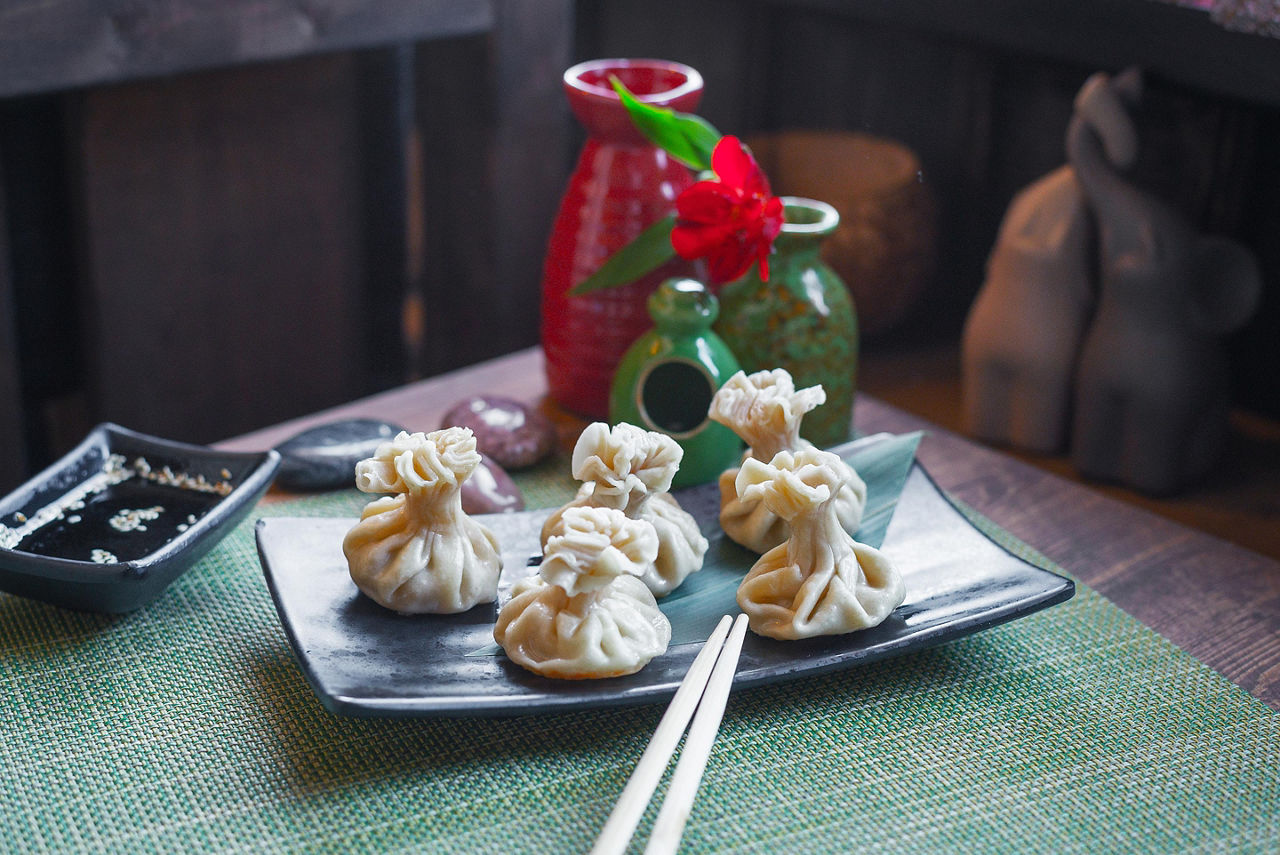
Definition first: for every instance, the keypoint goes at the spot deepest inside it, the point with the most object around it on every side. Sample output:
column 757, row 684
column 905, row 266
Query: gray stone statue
column 1152, row 387
column 1130, row 349
column 1022, row 337
column 1023, row 333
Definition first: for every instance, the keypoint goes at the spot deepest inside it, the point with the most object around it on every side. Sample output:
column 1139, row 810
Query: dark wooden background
column 214, row 217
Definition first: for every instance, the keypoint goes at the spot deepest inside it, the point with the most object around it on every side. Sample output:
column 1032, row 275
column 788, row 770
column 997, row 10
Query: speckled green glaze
column 802, row 319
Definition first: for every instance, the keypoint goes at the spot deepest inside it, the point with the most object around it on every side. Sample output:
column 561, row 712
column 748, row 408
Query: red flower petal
column 764, row 267
column 732, row 221
column 733, row 164
column 773, row 216
column 730, row 162
column 706, row 202
column 692, row 241
column 732, row 260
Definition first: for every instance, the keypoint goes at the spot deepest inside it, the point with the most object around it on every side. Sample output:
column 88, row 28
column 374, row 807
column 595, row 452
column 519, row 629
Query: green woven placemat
column 188, row 727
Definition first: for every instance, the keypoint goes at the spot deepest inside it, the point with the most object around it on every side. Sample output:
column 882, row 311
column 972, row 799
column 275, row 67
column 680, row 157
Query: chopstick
column 701, row 683
column 674, row 812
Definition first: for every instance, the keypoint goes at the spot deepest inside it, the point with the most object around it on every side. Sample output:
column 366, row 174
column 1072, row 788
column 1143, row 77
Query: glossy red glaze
column 621, row 185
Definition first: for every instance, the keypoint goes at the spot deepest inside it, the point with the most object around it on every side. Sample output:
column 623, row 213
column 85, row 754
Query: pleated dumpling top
column 820, row 581
column 628, row 468
column 587, row 614
column 765, row 409
column 417, row 551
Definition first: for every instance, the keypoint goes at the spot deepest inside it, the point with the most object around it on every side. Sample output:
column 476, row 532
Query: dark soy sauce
column 80, row 533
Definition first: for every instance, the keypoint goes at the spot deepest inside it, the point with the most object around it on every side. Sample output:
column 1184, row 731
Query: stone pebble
column 490, row 490
column 325, row 457
column 512, row 433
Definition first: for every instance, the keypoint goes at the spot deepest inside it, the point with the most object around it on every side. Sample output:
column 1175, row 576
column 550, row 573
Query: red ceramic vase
column 621, row 185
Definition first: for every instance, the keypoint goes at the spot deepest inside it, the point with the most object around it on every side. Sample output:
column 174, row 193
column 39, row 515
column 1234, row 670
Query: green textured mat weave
column 188, row 727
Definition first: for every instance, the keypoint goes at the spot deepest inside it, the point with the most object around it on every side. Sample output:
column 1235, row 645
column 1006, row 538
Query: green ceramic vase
column 802, row 319
column 667, row 378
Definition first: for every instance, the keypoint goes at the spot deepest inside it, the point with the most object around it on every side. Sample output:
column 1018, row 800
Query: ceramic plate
column 364, row 660
column 120, row 516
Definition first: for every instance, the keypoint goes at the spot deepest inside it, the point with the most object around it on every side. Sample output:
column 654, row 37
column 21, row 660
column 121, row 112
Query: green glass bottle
column 667, row 378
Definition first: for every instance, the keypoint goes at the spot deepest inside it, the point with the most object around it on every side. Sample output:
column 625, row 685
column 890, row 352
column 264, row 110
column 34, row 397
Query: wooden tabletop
column 1218, row 601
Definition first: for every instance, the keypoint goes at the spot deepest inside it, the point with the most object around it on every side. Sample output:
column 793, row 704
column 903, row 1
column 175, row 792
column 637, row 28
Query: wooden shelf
column 1170, row 39
column 62, row 44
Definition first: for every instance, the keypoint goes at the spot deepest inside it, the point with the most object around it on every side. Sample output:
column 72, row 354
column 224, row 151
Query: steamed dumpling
column 765, row 410
column 630, row 469
column 417, row 551
column 587, row 614
column 820, row 581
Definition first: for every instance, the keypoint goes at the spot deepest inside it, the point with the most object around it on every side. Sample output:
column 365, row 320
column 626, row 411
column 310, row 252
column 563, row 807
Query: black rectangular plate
column 365, row 660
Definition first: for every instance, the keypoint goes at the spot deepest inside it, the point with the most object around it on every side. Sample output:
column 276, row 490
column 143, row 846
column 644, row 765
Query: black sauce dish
column 110, row 525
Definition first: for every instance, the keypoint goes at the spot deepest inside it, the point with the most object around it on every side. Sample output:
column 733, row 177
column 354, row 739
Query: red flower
column 731, row 221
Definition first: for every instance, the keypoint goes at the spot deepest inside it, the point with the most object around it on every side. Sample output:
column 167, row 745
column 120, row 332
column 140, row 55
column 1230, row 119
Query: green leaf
column 650, row 250
column 688, row 138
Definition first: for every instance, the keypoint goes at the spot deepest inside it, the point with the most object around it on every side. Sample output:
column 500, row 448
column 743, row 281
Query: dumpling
column 418, row 552
column 765, row 410
column 586, row 614
column 630, row 469
column 820, row 581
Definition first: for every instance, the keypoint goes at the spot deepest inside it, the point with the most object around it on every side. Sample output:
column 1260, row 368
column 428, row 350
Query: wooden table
column 1218, row 601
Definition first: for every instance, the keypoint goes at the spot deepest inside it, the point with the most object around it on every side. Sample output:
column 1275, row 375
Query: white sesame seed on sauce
column 132, row 520
column 182, row 480
column 114, row 471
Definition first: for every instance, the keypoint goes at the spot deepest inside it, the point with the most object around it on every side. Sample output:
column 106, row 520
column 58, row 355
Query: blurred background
column 217, row 216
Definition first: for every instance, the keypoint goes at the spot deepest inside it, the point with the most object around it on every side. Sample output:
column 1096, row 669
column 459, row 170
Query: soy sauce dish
column 109, row 526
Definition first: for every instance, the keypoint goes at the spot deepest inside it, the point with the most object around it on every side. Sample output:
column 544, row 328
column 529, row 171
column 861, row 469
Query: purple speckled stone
column 512, row 433
column 490, row 490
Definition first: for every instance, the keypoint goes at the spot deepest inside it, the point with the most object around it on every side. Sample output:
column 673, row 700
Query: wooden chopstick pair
column 707, row 690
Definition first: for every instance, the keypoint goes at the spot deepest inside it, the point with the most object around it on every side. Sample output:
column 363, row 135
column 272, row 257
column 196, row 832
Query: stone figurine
column 1022, row 337
column 1151, row 394
column 1120, row 364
